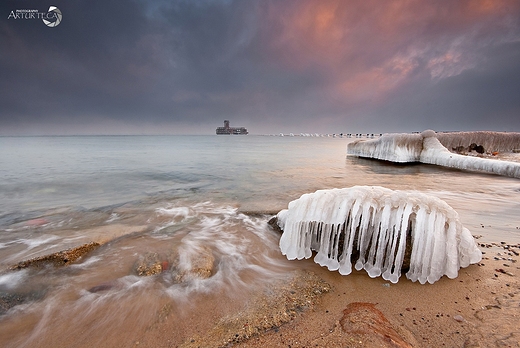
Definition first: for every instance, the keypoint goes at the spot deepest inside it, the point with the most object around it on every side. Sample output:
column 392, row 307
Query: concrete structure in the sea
column 433, row 148
column 227, row 130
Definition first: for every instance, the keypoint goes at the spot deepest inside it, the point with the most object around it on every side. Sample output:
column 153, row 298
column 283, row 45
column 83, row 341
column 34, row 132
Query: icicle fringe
column 376, row 225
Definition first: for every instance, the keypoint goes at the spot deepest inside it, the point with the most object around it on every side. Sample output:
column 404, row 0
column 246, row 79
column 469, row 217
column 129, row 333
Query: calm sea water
column 184, row 196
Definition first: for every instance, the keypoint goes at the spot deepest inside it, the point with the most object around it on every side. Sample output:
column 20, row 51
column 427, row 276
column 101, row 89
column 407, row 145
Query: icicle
column 376, row 223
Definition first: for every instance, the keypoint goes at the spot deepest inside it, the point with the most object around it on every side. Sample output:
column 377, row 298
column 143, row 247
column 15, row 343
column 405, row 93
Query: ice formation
column 492, row 141
column 375, row 224
column 426, row 148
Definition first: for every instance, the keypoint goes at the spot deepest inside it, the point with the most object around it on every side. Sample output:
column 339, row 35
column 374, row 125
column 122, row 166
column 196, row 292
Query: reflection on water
column 374, row 166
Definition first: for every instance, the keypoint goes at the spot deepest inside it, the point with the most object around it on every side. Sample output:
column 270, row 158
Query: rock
column 273, row 222
column 9, row 300
column 477, row 148
column 363, row 319
column 200, row 266
column 58, row 259
column 195, row 264
column 458, row 318
column 459, row 149
column 148, row 264
column 102, row 287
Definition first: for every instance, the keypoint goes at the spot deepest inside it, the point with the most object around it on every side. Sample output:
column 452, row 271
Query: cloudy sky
column 328, row 66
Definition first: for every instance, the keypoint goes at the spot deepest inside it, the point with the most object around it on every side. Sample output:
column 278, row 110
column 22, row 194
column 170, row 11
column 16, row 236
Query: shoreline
column 460, row 312
column 479, row 308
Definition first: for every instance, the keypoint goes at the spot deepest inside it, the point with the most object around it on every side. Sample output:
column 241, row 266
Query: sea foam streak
column 376, row 223
column 426, row 148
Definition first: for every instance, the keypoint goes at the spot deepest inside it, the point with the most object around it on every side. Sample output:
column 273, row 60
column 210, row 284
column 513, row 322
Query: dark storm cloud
column 79, row 69
column 184, row 66
column 484, row 97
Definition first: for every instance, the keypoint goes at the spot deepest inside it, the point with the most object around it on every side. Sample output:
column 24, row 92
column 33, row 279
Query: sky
column 272, row 66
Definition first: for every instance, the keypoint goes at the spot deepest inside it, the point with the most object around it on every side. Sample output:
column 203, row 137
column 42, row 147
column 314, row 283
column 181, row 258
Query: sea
column 174, row 198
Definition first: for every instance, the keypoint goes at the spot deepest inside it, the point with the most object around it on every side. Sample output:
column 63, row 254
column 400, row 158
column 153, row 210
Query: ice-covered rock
column 374, row 225
column 426, row 148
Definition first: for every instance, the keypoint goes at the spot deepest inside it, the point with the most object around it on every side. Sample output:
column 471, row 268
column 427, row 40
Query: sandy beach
column 477, row 309
column 314, row 307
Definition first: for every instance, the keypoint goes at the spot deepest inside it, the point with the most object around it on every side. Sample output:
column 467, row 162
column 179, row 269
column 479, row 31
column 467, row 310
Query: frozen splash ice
column 375, row 224
column 426, row 147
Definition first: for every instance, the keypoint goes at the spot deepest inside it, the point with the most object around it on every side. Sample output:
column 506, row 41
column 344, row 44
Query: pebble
column 501, row 270
column 458, row 318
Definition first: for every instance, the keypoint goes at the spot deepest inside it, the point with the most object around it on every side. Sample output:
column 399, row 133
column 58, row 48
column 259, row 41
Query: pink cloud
column 366, row 49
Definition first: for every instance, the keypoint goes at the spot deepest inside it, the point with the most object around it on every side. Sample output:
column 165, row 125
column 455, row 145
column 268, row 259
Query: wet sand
column 480, row 308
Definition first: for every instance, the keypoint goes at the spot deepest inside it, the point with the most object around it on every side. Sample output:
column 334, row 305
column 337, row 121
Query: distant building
column 231, row 130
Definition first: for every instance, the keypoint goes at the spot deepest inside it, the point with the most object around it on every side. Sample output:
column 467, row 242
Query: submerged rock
column 148, row 264
column 34, row 291
column 58, row 259
column 184, row 265
column 365, row 320
column 194, row 265
column 100, row 288
column 9, row 299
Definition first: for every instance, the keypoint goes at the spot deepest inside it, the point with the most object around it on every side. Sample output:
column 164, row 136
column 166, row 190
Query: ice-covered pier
column 433, row 148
